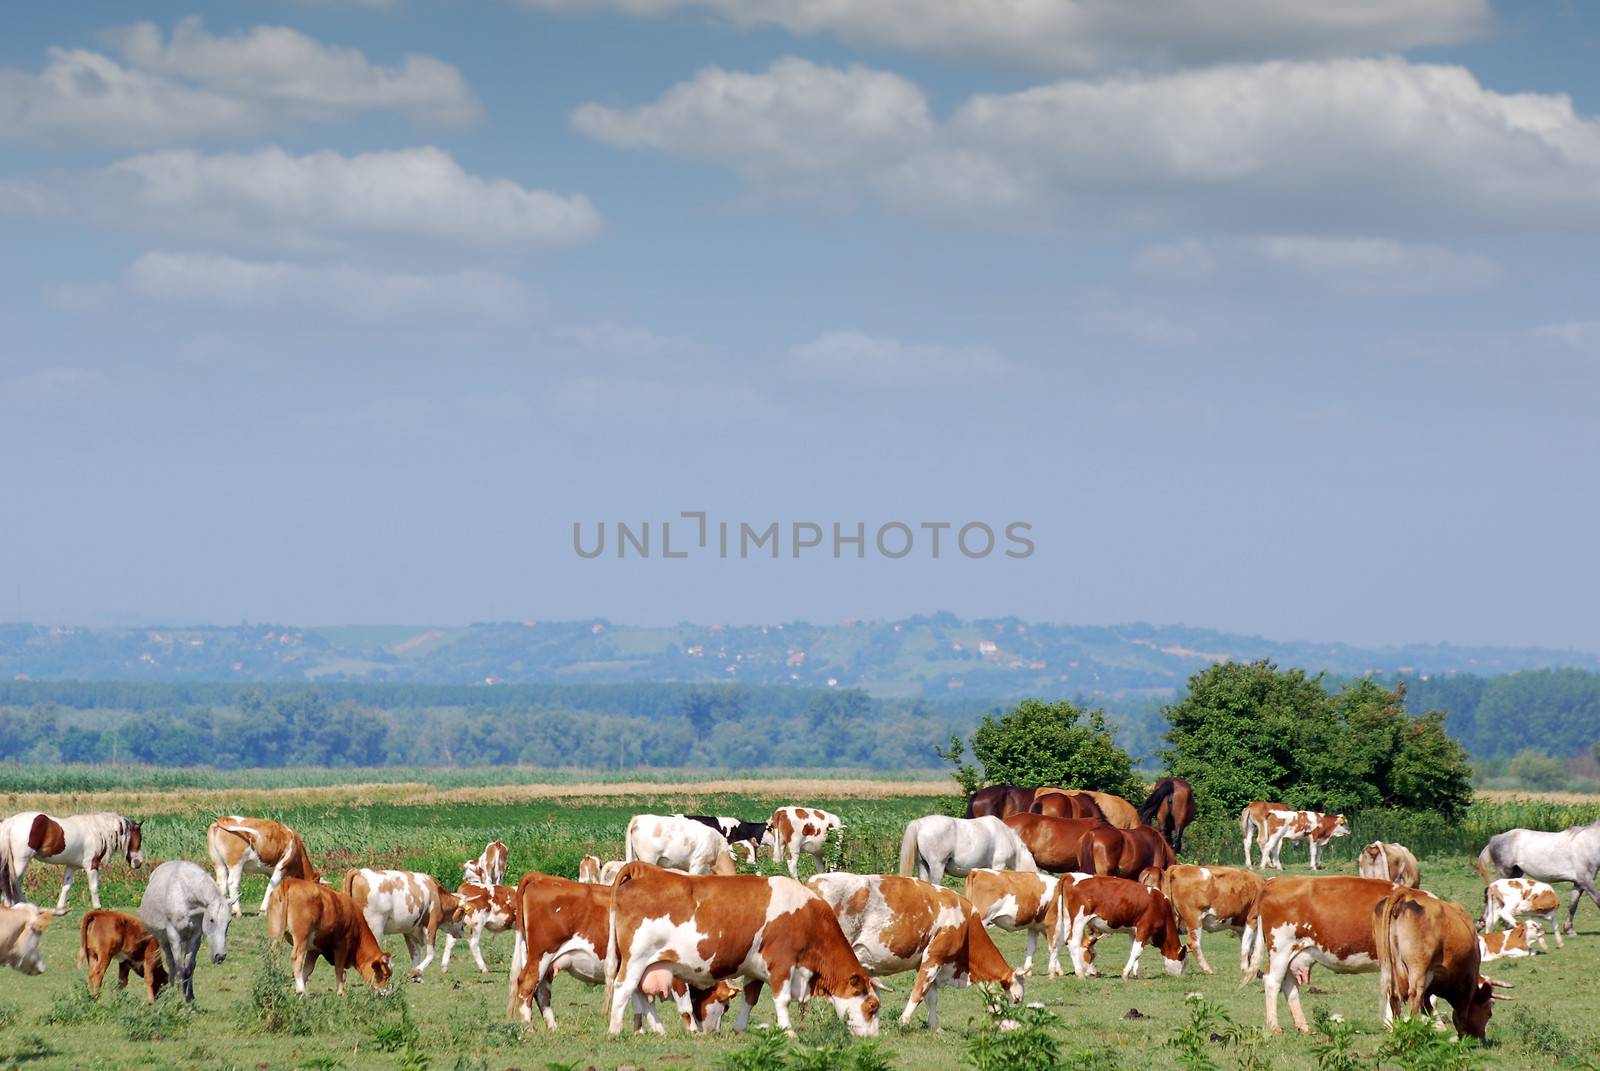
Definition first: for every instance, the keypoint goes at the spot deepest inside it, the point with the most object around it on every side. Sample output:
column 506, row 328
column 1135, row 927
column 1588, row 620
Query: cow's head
column 24, row 954
column 1341, row 826
column 377, row 971
column 1169, row 940
column 1471, row 1016
column 724, row 863
column 856, row 1001
column 134, row 851
column 1533, row 934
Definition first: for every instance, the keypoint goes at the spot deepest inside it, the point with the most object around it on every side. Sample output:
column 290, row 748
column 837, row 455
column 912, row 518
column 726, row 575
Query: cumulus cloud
column 197, row 84
column 854, row 358
column 327, row 200
column 1360, row 145
column 1082, row 35
column 1357, row 266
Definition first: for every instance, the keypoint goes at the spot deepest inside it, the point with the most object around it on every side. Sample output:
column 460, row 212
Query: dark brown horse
column 1001, row 801
column 1065, row 803
column 1170, row 808
column 1054, row 843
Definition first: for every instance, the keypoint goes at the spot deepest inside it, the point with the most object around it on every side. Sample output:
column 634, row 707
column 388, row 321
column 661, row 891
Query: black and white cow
column 747, row 836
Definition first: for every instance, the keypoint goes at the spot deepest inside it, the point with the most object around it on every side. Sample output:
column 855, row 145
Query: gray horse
column 1570, row 855
column 181, row 904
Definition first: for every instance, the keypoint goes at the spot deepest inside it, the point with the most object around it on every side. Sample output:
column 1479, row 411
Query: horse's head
column 133, row 842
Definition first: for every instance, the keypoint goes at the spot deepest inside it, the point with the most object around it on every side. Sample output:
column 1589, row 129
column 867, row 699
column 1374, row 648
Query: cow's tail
column 613, row 953
column 348, row 887
column 908, row 851
column 278, row 913
column 1254, row 939
column 1383, row 943
column 627, row 842
column 83, row 938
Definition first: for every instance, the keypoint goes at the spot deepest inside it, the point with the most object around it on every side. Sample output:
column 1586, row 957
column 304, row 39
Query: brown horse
column 1065, row 803
column 1001, row 801
column 1170, row 808
column 1123, row 853
column 1118, row 811
column 1053, row 842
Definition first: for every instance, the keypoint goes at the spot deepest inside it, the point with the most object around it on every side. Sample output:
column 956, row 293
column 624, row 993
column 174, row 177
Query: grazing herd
column 675, row 920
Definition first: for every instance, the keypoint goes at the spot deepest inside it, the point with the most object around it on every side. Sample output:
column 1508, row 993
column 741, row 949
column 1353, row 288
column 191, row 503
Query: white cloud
column 853, row 358
column 197, row 84
column 1357, row 266
column 68, row 382
column 327, row 200
column 1078, row 35
column 1359, row 145
column 1582, row 335
column 630, row 403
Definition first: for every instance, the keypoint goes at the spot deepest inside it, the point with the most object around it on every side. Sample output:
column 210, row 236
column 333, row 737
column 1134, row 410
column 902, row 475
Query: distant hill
column 937, row 655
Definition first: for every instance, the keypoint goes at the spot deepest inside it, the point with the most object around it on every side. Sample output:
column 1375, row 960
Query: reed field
column 247, row 1018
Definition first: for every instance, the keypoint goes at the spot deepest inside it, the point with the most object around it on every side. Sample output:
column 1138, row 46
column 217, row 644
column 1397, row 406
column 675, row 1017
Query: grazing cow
column 180, row 906
column 1313, row 827
column 1101, row 905
column 1206, row 899
column 937, row 845
column 798, row 830
column 491, row 908
column 673, row 841
column 1514, row 943
column 1506, row 899
column 706, row 929
column 1054, row 843
column 1169, row 808
column 490, row 867
column 1065, row 803
column 1019, row 901
column 108, row 937
column 897, row 924
column 1570, row 855
column 1123, row 853
column 1391, row 862
column 746, row 836
column 80, row 842
column 319, row 922
column 408, row 903
column 1000, row 801
column 1428, row 949
column 1297, row 922
column 20, row 929
column 1253, row 824
column 592, row 871
column 240, row 846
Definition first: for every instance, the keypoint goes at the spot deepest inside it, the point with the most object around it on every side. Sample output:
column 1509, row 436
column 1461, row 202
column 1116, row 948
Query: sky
column 1272, row 316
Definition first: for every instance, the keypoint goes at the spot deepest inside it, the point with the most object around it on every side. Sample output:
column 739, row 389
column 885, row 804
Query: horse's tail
column 1482, row 865
column 9, row 893
column 908, row 851
column 1152, row 803
column 1025, row 861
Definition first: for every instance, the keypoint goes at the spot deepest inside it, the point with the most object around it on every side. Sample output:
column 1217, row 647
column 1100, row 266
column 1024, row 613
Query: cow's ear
column 41, row 922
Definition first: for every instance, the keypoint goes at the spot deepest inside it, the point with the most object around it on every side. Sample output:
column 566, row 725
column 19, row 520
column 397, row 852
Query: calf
column 1253, row 824
column 1206, row 899
column 20, row 929
column 673, row 841
column 408, row 903
column 1313, row 827
column 593, row 872
column 707, row 929
column 1392, row 862
column 489, row 868
column 1099, row 905
column 1013, row 900
column 321, row 922
column 801, row 830
column 240, row 846
column 1297, row 922
column 1515, row 943
column 900, row 924
column 746, row 836
column 1504, row 900
column 1428, row 949
column 491, row 908
column 107, row 937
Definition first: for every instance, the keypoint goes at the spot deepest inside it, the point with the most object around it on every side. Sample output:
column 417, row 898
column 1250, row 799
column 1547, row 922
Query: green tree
column 1040, row 743
column 1538, row 769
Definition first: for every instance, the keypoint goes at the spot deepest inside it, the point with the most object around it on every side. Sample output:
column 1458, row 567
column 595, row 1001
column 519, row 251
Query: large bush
column 1249, row 731
column 1040, row 743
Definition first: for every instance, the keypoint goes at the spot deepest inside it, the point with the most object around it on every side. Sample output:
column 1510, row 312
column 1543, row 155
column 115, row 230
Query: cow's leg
column 414, row 950
column 299, row 967
column 1027, row 960
column 1081, row 966
column 751, row 994
column 124, row 968
column 933, row 1005
column 67, row 874
column 444, row 958
column 1291, row 991
column 428, row 941
column 794, row 861
column 273, row 881
column 547, row 1011
column 477, row 944
column 228, row 878
column 1131, row 968
column 1195, row 933
column 629, row 975
column 1249, row 838
column 781, row 996
column 927, row 977
column 1272, row 976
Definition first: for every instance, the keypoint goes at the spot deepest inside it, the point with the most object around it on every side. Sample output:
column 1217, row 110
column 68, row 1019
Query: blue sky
column 1270, row 316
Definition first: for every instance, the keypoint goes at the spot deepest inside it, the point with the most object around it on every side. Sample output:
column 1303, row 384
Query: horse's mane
column 112, row 831
column 1158, row 795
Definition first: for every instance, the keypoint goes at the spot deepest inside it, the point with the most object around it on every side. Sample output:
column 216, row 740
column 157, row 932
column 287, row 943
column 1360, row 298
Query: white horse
column 938, row 845
column 1569, row 855
column 81, row 842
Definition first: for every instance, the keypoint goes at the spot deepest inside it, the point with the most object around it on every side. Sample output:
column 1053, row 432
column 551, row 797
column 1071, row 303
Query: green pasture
column 245, row 1019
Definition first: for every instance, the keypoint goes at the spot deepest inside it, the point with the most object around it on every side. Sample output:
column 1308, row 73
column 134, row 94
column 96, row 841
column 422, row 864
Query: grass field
column 458, row 1020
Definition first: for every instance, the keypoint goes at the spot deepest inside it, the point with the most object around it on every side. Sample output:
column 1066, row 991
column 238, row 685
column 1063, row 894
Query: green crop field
column 245, row 1019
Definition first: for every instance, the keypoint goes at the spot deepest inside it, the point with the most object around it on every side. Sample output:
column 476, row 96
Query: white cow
column 408, row 903
column 677, row 843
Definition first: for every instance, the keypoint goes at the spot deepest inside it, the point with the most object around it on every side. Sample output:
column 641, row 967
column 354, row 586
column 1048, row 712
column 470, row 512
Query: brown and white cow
column 240, row 846
column 564, row 925
column 1054, row 843
column 107, row 937
column 1505, row 900
column 1390, row 861
column 897, row 924
column 409, row 903
column 1207, row 899
column 1298, row 922
column 1313, row 827
column 1100, row 905
column 1014, row 900
column 594, row 872
column 1428, row 949
column 490, row 867
column 1253, row 826
column 21, row 927
column 1515, row 943
column 708, row 929
column 801, row 831
column 483, row 908
column 320, row 922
